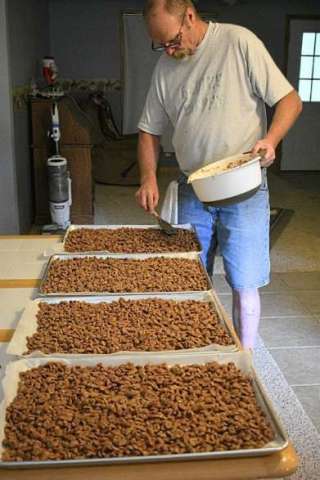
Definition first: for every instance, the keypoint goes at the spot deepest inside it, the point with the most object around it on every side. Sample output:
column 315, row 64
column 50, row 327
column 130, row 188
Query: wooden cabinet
column 75, row 146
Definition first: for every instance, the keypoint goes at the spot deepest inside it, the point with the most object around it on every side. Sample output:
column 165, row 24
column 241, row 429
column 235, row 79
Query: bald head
column 173, row 7
column 174, row 25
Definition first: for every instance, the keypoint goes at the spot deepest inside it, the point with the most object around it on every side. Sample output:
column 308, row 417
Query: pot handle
column 260, row 152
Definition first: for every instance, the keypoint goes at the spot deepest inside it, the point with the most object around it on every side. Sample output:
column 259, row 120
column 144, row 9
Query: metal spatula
column 166, row 227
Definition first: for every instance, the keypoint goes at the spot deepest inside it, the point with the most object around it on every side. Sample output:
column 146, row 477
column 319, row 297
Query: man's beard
column 182, row 53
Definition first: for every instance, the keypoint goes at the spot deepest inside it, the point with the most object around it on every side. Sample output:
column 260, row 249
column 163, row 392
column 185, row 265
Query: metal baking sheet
column 59, row 248
column 138, row 256
column 241, row 359
column 27, row 324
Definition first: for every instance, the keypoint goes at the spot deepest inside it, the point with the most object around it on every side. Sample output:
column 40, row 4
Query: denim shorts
column 240, row 230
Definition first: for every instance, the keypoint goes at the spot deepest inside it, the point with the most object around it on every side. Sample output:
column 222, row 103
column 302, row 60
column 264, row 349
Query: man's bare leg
column 246, row 311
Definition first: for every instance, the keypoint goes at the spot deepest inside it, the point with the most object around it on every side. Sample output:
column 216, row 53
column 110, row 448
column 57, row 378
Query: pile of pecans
column 74, row 412
column 130, row 240
column 237, row 163
column 126, row 325
column 116, row 275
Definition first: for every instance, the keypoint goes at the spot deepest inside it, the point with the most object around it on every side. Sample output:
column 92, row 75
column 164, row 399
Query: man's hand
column 268, row 152
column 148, row 154
column 148, row 194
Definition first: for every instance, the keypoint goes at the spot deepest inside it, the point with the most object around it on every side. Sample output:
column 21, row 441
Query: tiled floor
column 290, row 329
column 309, row 396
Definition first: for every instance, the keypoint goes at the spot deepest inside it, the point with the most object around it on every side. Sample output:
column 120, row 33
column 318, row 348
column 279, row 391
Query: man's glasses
column 176, row 42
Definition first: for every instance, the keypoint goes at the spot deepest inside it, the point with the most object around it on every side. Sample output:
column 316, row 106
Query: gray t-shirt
column 215, row 99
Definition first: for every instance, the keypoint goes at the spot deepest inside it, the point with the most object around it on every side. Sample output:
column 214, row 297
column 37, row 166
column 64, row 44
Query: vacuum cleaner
column 59, row 181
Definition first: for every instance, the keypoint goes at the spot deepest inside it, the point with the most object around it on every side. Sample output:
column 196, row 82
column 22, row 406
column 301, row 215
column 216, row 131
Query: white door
column 301, row 146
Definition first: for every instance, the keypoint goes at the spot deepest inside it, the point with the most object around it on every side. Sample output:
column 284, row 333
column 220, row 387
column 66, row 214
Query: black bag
column 107, row 124
column 115, row 160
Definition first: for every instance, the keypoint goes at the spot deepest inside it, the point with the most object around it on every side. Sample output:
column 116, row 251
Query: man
column 212, row 83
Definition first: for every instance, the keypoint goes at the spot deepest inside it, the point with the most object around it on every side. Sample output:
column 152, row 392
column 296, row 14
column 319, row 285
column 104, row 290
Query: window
column 309, row 74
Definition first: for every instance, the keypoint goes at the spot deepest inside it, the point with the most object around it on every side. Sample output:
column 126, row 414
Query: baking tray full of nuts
column 109, row 274
column 129, row 410
column 166, row 323
column 126, row 239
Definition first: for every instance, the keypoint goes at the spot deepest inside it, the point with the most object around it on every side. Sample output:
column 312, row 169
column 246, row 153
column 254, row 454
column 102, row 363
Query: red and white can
column 49, row 70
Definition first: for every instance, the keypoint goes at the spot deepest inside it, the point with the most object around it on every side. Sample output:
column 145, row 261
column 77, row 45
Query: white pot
column 222, row 182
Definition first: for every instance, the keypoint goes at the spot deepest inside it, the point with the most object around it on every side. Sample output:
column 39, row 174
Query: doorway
column 300, row 148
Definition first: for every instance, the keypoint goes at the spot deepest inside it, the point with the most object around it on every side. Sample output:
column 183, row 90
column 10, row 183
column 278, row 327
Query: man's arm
column 148, row 154
column 286, row 112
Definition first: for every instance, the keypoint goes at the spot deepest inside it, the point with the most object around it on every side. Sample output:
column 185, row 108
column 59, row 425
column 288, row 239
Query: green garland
column 21, row 94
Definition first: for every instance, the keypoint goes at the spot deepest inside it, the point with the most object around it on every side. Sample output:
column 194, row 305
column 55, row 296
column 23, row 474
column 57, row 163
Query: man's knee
column 247, row 300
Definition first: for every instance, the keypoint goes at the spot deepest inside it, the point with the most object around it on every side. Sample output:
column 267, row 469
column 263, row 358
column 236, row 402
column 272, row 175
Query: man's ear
column 190, row 17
